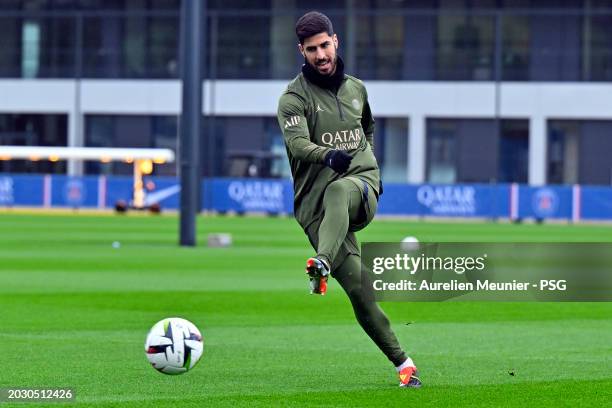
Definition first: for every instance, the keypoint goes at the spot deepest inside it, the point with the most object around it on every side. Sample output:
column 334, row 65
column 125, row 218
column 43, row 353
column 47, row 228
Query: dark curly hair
column 313, row 23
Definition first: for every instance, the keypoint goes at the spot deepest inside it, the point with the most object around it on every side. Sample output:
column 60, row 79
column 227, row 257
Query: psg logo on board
column 545, row 202
column 74, row 192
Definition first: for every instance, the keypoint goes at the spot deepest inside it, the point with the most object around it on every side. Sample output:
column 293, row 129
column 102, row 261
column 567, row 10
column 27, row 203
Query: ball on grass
column 410, row 244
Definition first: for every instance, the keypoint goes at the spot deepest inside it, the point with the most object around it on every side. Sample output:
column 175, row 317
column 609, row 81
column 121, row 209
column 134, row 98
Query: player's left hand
column 338, row 160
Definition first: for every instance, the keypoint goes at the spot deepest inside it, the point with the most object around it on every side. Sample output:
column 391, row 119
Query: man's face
column 320, row 52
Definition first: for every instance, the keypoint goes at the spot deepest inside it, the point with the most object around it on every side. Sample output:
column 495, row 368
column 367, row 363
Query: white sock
column 407, row 363
column 324, row 263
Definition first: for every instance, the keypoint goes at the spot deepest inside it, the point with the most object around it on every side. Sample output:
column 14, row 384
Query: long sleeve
column 292, row 121
column 367, row 120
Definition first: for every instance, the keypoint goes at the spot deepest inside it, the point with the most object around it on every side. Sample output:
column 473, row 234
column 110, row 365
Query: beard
column 325, row 66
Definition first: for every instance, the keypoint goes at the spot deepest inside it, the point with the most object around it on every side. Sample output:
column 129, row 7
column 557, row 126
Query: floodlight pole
column 191, row 47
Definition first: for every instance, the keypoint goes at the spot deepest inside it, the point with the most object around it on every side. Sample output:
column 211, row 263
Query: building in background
column 489, row 91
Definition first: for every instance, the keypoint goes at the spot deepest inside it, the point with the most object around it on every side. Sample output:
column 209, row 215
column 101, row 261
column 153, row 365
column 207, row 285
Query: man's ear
column 335, row 40
column 301, row 48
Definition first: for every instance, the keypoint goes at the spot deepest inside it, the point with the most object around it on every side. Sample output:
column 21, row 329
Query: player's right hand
column 338, row 160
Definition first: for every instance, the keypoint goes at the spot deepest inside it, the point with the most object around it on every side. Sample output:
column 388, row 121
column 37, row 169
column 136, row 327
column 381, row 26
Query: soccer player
column 329, row 134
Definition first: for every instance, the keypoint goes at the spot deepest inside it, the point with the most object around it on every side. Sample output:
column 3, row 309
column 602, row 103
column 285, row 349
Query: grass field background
column 75, row 312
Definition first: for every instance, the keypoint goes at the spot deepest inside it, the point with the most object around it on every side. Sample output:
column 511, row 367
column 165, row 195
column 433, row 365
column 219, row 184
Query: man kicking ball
column 329, row 134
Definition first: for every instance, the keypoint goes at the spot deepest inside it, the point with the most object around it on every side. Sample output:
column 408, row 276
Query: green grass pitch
column 74, row 311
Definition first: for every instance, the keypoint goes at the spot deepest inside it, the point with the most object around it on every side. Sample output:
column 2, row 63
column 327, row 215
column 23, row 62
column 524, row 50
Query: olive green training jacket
column 314, row 121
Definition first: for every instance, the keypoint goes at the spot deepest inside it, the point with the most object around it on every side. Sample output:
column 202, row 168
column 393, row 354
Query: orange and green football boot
column 318, row 273
column 409, row 377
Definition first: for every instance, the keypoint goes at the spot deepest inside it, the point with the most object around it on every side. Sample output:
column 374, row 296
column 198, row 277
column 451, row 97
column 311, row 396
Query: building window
column 246, row 147
column 555, row 48
column 513, row 151
column 515, row 47
column 441, row 152
column 563, row 139
column 391, row 145
column 130, row 131
column 477, row 150
column 131, row 47
column 465, row 47
column 599, row 57
column 10, row 47
column 280, row 166
column 378, row 50
column 37, row 47
column 33, row 130
column 575, row 152
column 241, row 56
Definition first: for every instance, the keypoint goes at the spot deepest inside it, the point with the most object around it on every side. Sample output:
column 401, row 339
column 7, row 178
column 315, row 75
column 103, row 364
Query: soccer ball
column 174, row 346
column 410, row 244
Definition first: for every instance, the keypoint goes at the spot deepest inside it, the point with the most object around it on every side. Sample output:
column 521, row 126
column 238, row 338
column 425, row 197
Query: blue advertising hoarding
column 74, row 191
column 461, row 200
column 22, row 191
column 596, row 203
column 275, row 196
column 545, row 202
column 248, row 195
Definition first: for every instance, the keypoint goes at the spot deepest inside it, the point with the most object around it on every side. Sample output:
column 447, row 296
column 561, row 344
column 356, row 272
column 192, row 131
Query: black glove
column 380, row 188
column 338, row 161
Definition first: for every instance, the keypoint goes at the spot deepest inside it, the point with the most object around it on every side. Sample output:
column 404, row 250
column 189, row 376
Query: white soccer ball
column 174, row 346
column 410, row 244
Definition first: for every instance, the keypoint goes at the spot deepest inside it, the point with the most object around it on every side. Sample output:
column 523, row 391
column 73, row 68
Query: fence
column 510, row 201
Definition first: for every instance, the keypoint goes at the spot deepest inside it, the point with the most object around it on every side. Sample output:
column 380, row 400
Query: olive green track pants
column 349, row 206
